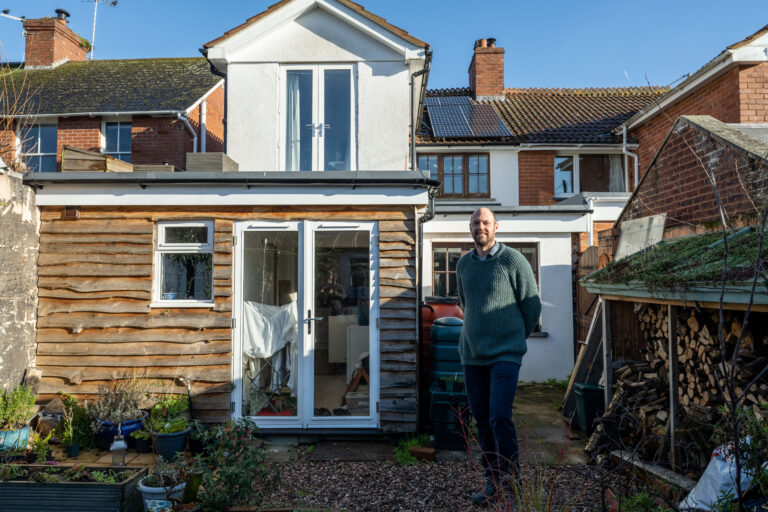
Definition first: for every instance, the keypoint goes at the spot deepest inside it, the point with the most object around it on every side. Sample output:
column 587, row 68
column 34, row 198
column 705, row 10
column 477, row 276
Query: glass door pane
column 337, row 100
column 299, row 120
column 341, row 343
column 270, row 323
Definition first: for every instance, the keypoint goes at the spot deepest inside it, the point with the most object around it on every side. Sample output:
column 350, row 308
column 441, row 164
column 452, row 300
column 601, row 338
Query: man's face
column 483, row 228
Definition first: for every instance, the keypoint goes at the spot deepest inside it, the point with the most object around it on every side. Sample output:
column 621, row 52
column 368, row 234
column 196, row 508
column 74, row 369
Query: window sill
column 182, row 304
column 540, row 334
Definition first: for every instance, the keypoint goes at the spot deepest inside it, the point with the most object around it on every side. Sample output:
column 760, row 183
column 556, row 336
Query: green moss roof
column 137, row 85
column 675, row 263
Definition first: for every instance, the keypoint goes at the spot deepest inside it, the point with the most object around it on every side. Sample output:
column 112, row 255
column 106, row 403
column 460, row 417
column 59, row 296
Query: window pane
column 438, row 257
column 452, row 290
column 453, row 258
column 33, row 163
column 298, row 147
column 337, row 102
column 457, row 184
column 48, row 138
column 187, row 276
column 125, row 157
column 124, row 145
column 563, row 175
column 423, row 163
column 110, row 135
column 29, row 138
column 474, row 184
column 47, row 163
column 438, row 285
column 186, row 234
column 483, row 188
column 473, row 164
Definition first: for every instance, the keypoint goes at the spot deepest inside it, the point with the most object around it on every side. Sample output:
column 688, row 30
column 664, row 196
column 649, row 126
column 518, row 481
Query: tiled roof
column 558, row 116
column 141, row 85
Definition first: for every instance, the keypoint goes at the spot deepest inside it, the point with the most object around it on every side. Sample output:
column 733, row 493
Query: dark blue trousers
column 491, row 392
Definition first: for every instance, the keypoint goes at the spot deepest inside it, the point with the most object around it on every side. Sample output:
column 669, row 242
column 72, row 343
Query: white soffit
column 204, row 195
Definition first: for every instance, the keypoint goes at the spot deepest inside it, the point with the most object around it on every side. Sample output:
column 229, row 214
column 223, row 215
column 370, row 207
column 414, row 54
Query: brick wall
column 583, row 238
column 536, row 171
column 753, row 93
column 83, row 133
column 214, row 123
column 49, row 41
column 486, row 71
column 719, row 99
column 157, row 139
column 19, row 224
column 677, row 184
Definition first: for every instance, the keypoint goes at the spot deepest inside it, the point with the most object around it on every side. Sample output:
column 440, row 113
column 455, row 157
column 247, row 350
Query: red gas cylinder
column 431, row 309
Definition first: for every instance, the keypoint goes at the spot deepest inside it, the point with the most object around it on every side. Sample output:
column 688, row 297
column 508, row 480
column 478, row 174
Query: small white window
column 116, row 139
column 184, row 263
column 38, row 147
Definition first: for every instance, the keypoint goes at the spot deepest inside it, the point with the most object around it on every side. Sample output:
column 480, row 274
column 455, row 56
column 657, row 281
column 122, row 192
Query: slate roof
column 556, row 116
column 139, row 85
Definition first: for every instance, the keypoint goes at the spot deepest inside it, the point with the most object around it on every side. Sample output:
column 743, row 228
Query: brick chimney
column 486, row 71
column 50, row 42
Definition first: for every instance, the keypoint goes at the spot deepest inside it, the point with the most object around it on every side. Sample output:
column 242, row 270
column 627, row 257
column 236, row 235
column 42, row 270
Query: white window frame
column 103, row 136
column 318, row 112
column 161, row 247
column 19, row 142
column 576, row 170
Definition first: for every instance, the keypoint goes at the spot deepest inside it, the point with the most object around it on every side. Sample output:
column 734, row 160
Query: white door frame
column 318, row 112
column 306, row 279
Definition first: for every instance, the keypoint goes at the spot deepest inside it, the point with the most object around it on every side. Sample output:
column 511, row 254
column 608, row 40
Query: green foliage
column 233, row 466
column 75, row 427
column 403, row 456
column 752, row 442
column 141, row 434
column 16, row 406
column 169, row 415
column 118, row 401
column 104, row 477
column 40, row 446
column 726, row 502
column 643, row 502
column 561, row 384
column 12, row 472
column 85, row 44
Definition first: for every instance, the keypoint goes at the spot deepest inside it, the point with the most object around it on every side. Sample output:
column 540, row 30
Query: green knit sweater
column 501, row 305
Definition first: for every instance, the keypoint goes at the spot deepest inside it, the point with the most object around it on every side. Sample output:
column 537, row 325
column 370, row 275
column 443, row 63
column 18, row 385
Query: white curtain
column 617, row 173
column 293, row 124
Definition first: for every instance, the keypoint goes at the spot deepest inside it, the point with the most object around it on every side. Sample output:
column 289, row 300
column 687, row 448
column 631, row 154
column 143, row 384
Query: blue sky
column 591, row 43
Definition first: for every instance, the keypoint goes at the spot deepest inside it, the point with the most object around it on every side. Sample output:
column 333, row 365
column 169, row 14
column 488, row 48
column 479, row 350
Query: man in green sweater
column 500, row 298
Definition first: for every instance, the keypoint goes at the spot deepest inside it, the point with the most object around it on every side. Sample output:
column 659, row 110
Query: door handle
column 311, row 319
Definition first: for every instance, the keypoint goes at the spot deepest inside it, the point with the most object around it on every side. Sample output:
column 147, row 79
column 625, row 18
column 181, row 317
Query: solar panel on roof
column 470, row 120
column 446, row 100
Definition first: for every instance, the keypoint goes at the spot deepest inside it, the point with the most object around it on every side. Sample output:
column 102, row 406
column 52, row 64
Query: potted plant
column 117, row 408
column 169, row 424
column 197, row 436
column 166, row 482
column 40, row 450
column 75, row 430
column 16, row 409
column 142, row 440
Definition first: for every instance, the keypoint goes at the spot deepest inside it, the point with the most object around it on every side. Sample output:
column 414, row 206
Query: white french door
column 305, row 337
column 318, row 117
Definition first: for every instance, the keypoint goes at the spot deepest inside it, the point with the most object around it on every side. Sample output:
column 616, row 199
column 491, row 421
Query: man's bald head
column 483, row 226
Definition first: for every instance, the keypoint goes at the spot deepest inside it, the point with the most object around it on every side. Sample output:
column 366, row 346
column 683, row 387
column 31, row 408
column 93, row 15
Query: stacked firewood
column 637, row 418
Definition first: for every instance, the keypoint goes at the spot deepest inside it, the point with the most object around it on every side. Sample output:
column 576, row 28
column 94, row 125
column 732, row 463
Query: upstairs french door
column 318, row 120
column 306, row 350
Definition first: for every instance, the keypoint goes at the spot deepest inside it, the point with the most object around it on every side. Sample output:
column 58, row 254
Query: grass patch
column 403, row 456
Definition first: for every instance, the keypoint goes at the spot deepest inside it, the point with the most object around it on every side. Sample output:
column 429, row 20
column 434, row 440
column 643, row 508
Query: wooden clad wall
column 95, row 287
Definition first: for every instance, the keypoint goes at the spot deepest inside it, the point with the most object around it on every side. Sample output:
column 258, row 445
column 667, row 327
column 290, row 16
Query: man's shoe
column 487, row 495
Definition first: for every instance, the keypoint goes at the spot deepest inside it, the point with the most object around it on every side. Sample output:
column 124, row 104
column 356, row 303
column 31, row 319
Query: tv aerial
column 108, row 3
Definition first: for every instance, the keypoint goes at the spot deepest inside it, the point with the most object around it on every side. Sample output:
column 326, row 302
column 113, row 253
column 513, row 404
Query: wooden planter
column 18, row 496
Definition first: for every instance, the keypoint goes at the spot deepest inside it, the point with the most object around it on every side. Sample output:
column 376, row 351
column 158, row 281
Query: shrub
column 403, row 456
column 16, row 406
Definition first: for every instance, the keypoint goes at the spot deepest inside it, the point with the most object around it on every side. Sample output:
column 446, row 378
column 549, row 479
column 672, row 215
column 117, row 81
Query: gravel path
column 433, row 486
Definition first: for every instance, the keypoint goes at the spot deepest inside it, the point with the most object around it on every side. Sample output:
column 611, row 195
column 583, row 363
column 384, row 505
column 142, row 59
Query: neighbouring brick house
column 732, row 87
column 546, row 161
column 145, row 111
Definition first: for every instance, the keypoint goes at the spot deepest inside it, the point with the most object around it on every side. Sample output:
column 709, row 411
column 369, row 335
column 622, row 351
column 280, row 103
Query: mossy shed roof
column 101, row 86
column 678, row 262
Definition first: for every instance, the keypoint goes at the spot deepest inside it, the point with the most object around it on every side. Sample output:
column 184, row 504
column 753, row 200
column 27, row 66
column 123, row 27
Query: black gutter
column 246, row 178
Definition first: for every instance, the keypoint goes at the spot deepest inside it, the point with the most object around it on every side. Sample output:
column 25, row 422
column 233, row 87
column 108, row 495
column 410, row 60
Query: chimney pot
column 492, row 42
column 62, row 14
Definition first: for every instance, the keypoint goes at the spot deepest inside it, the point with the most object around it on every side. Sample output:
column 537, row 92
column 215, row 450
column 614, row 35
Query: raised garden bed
column 34, row 487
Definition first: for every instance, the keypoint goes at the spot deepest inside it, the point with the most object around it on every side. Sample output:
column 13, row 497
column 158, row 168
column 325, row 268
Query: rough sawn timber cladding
column 95, row 287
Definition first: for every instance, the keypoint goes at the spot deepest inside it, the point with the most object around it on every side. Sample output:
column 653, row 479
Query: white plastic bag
column 718, row 478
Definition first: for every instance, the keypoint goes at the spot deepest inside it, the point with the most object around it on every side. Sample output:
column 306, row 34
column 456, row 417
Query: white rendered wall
column 552, row 356
column 382, row 92
column 503, row 168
